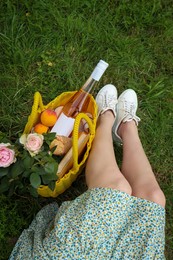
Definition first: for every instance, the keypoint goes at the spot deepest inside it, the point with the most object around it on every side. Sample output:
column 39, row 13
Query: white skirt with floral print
column 100, row 224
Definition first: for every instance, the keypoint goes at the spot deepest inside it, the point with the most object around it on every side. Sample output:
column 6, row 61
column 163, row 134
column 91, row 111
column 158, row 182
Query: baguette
column 67, row 161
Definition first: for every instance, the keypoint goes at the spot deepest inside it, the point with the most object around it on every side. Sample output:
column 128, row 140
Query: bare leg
column 136, row 167
column 102, row 169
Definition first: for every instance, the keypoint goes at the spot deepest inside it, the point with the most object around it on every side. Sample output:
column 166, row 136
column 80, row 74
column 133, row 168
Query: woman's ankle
column 107, row 118
column 127, row 128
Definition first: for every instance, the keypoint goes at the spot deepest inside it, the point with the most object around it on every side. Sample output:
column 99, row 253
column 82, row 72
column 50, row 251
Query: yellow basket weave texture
column 65, row 182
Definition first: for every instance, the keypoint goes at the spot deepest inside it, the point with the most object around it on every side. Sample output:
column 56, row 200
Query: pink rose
column 32, row 143
column 7, row 155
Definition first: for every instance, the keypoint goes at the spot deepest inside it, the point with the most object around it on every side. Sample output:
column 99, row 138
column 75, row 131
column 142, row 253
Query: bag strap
column 78, row 119
column 37, row 106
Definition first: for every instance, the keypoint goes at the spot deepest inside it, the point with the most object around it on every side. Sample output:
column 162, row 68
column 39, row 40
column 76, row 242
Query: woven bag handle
column 79, row 117
column 37, row 106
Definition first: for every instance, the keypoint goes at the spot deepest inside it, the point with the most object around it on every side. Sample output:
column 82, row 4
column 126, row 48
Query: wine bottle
column 78, row 103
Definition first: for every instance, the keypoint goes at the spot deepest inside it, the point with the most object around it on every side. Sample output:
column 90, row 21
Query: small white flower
column 32, row 143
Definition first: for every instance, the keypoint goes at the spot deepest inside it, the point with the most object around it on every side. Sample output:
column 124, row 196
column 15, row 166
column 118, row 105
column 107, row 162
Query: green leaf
column 42, row 154
column 5, row 184
column 48, row 159
column 3, row 171
column 51, row 185
column 33, row 191
column 35, row 180
column 48, row 178
column 35, row 168
column 41, row 171
column 16, row 169
column 48, row 138
column 57, row 159
column 51, row 167
column 52, row 150
column 28, row 162
column 24, row 153
column 38, row 157
column 26, row 173
column 45, row 179
column 46, row 148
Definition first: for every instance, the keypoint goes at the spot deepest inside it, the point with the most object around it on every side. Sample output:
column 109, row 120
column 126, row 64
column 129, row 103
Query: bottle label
column 63, row 126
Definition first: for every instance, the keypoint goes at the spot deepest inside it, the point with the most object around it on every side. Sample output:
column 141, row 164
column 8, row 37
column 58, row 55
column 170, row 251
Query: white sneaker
column 106, row 99
column 126, row 111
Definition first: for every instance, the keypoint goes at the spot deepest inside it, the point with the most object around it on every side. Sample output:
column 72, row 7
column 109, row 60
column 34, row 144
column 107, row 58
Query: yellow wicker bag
column 64, row 183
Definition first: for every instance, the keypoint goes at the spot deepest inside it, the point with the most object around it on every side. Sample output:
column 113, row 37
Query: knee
column 156, row 195
column 123, row 185
column 109, row 178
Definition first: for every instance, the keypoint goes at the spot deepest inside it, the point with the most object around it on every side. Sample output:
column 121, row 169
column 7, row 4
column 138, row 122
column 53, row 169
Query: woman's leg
column 136, row 167
column 101, row 167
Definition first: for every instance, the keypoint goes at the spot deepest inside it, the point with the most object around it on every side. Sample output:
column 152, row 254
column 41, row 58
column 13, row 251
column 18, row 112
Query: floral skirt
column 100, row 224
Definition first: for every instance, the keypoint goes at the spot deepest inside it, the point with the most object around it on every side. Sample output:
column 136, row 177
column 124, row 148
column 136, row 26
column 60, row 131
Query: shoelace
column 130, row 112
column 129, row 108
column 110, row 101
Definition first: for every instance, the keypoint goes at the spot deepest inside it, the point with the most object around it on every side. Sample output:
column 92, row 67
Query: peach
column 48, row 117
column 40, row 128
column 58, row 110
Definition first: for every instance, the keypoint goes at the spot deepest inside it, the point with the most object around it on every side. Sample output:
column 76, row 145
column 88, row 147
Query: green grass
column 134, row 37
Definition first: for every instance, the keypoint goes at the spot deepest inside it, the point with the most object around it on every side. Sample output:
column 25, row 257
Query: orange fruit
column 48, row 117
column 40, row 128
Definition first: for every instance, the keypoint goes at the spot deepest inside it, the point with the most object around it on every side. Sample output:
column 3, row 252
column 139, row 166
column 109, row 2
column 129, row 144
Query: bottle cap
column 99, row 70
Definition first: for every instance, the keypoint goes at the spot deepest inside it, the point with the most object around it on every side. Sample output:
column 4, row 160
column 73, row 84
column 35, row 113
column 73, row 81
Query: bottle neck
column 87, row 87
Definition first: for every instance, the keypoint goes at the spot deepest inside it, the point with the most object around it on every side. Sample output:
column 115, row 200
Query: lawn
column 52, row 46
